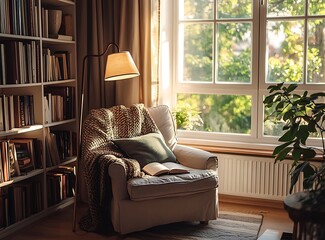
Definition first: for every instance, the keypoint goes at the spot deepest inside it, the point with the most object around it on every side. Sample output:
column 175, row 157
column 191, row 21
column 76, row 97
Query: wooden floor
column 59, row 225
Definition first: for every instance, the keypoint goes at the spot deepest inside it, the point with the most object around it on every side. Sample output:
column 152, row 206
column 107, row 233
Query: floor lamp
column 119, row 66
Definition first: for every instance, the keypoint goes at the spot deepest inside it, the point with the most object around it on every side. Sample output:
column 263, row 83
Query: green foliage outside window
column 231, row 63
column 219, row 113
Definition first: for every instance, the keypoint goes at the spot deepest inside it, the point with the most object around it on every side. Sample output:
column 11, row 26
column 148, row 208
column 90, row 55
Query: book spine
column 22, row 111
column 2, row 127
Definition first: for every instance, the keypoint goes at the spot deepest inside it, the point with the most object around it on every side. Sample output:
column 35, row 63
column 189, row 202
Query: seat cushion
column 151, row 187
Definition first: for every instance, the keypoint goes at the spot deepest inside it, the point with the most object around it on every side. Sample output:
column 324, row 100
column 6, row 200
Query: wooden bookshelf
column 34, row 64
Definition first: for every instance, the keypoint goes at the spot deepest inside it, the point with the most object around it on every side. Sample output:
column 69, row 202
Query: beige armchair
column 195, row 200
column 138, row 203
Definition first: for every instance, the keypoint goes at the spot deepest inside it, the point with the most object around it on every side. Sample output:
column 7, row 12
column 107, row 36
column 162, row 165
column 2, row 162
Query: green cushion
column 146, row 148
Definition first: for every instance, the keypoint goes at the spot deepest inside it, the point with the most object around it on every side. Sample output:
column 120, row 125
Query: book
column 2, row 124
column 25, row 153
column 65, row 99
column 3, row 64
column 67, row 25
column 53, row 157
column 11, row 111
column 61, row 37
column 157, row 169
column 13, row 162
column 6, row 112
column 5, row 161
column 1, row 168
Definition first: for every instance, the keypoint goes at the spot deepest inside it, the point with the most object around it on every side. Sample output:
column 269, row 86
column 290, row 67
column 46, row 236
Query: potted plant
column 304, row 117
column 187, row 117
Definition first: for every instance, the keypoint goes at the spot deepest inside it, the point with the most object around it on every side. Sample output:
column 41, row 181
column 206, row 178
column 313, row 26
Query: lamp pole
column 127, row 69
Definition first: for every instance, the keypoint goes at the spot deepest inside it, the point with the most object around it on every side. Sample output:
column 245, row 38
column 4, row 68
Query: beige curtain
column 127, row 23
column 139, row 28
column 91, row 40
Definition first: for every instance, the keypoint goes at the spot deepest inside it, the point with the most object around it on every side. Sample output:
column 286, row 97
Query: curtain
column 139, row 30
column 129, row 24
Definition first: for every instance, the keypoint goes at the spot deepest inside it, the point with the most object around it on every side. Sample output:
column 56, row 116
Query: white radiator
column 256, row 177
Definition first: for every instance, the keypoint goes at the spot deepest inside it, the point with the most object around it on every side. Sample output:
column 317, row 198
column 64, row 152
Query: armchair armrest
column 119, row 181
column 195, row 158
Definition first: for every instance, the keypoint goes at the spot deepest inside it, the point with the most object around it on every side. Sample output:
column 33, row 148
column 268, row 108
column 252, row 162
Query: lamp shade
column 120, row 66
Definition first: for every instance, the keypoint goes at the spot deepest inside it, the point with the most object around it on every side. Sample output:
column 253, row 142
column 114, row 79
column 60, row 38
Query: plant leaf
column 292, row 87
column 289, row 135
column 318, row 94
column 279, row 148
column 295, row 173
column 296, row 153
column 308, row 172
column 303, row 133
column 308, row 153
column 282, row 155
column 304, row 168
column 312, row 126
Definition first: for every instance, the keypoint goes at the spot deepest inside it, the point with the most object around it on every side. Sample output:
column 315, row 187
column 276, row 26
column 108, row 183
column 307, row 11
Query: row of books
column 20, row 62
column 20, row 201
column 59, row 103
column 19, row 156
column 60, row 183
column 60, row 145
column 56, row 65
column 19, row 17
column 16, row 111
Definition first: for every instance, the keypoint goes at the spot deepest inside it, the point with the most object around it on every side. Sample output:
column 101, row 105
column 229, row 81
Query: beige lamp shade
column 120, row 66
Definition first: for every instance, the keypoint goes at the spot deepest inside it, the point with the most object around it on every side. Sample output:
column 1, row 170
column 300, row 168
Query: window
column 229, row 52
column 294, row 49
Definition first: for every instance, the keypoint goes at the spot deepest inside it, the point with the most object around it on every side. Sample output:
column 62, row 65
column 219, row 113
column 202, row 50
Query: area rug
column 229, row 226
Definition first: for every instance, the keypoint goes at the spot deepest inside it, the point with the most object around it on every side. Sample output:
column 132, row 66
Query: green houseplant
column 304, row 118
column 187, row 117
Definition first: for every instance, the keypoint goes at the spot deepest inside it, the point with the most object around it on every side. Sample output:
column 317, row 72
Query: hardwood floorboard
column 59, row 224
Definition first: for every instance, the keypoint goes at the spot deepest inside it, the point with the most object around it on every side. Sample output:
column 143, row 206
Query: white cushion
column 164, row 121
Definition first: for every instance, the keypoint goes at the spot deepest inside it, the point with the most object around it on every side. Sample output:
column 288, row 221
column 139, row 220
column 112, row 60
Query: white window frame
column 256, row 89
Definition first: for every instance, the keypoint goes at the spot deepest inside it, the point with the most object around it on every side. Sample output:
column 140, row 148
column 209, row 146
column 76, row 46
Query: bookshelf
column 38, row 109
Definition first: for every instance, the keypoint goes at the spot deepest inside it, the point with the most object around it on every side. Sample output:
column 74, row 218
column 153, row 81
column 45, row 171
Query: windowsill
column 240, row 148
column 234, row 150
column 258, row 151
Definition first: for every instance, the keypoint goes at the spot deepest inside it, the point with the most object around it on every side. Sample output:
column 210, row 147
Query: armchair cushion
column 165, row 122
column 146, row 148
column 151, row 187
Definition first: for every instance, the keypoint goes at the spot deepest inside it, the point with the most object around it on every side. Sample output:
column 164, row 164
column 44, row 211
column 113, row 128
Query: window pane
column 234, row 43
column 284, row 51
column 197, row 55
column 316, row 51
column 316, row 7
column 214, row 113
column 234, row 9
column 196, row 9
column 276, row 8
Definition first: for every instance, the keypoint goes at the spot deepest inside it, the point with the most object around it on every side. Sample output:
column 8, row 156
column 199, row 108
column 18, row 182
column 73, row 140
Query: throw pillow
column 146, row 148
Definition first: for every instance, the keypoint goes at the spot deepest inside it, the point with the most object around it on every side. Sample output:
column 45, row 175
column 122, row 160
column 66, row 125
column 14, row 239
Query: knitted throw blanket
column 98, row 152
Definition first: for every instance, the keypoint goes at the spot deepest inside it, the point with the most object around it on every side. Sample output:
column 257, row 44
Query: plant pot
column 308, row 217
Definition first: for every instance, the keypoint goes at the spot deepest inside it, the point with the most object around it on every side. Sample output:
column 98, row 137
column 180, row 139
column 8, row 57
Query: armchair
column 138, row 201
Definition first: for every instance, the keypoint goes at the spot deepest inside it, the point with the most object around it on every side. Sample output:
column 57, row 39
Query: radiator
column 256, row 177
